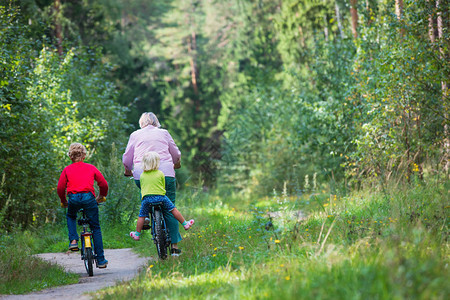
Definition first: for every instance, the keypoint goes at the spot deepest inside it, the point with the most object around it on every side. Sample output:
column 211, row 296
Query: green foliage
column 279, row 134
column 47, row 102
column 403, row 110
column 26, row 156
column 123, row 204
column 77, row 100
column 373, row 106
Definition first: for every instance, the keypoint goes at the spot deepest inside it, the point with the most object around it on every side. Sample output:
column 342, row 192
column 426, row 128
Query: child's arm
column 61, row 189
column 102, row 184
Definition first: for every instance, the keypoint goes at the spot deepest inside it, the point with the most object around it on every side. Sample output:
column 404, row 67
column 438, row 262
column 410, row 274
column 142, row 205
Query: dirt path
column 123, row 265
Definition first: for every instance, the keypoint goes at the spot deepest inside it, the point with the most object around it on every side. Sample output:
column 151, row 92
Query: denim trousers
column 88, row 202
column 171, row 222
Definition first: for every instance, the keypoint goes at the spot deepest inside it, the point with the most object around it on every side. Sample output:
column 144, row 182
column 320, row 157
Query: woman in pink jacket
column 152, row 138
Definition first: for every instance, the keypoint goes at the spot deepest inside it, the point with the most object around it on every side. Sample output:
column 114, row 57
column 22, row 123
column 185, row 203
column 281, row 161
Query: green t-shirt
column 153, row 183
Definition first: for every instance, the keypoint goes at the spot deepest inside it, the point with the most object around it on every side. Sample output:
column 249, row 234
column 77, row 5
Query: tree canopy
column 258, row 94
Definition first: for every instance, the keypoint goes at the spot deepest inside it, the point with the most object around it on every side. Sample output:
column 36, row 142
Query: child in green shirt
column 153, row 190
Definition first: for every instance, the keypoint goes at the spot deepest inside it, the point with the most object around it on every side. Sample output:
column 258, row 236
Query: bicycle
column 87, row 250
column 159, row 230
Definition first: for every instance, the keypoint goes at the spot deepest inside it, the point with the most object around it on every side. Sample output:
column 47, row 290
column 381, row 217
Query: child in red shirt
column 78, row 180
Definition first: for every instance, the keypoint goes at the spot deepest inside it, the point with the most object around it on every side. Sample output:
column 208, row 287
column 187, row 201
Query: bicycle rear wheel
column 89, row 261
column 161, row 235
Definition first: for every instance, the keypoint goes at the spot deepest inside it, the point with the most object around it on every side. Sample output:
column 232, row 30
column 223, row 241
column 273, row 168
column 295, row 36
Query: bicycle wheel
column 89, row 261
column 161, row 235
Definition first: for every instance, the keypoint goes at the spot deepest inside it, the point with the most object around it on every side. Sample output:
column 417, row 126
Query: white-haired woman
column 152, row 138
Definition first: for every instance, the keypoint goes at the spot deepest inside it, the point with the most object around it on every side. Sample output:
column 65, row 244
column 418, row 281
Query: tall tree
column 399, row 13
column 339, row 19
column 58, row 27
column 354, row 14
column 444, row 84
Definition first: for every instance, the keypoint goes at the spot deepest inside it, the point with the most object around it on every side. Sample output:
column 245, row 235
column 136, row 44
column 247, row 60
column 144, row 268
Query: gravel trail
column 123, row 265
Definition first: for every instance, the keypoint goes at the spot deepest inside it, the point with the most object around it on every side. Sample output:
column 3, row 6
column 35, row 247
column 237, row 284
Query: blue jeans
column 88, row 202
column 150, row 199
column 171, row 222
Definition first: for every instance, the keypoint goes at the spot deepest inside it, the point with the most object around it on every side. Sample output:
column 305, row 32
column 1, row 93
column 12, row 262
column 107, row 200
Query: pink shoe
column 188, row 224
column 134, row 236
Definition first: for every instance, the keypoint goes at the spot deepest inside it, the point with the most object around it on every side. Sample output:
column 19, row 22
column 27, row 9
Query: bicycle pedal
column 146, row 227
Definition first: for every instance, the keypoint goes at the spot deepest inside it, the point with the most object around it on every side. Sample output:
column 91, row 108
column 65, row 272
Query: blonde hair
column 148, row 118
column 77, row 152
column 151, row 161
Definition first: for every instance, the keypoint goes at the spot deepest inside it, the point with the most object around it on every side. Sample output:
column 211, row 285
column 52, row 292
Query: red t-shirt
column 79, row 178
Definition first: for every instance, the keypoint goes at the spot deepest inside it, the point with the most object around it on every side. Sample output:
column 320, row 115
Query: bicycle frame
column 162, row 242
column 87, row 249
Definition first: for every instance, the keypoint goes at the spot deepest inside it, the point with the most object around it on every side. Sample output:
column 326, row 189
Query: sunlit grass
column 360, row 246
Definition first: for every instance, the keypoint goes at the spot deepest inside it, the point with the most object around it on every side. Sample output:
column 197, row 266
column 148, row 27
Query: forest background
column 314, row 138
column 259, row 95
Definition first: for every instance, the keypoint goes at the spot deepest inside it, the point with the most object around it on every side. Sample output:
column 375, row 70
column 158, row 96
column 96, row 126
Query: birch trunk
column 338, row 18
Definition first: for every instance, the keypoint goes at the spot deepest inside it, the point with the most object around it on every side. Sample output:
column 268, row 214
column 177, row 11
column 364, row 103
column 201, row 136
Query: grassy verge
column 362, row 246
column 16, row 278
column 16, row 257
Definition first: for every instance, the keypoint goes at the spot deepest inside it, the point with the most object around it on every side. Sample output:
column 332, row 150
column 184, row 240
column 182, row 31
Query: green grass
column 16, row 258
column 367, row 245
column 363, row 246
column 15, row 275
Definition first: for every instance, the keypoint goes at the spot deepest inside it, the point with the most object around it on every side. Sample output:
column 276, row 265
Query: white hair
column 149, row 118
column 151, row 161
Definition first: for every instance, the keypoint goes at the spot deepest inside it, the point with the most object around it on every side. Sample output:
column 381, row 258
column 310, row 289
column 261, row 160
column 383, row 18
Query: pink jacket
column 151, row 138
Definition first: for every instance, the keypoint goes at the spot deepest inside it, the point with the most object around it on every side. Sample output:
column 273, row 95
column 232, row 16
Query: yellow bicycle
column 87, row 250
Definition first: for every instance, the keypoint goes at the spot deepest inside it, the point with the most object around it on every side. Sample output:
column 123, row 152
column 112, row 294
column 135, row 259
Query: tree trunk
column 354, row 13
column 338, row 18
column 420, row 151
column 192, row 47
column 369, row 12
column 58, row 28
column 407, row 144
column 302, row 37
column 325, row 27
column 431, row 22
column 444, row 86
column 399, row 13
